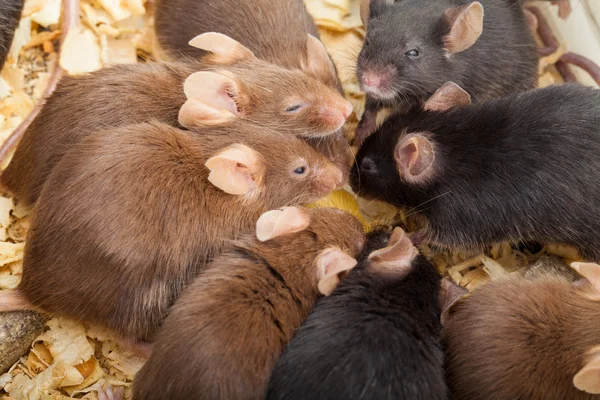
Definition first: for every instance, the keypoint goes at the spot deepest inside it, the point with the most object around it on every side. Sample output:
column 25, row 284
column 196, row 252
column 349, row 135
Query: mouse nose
column 368, row 166
column 347, row 109
column 371, row 79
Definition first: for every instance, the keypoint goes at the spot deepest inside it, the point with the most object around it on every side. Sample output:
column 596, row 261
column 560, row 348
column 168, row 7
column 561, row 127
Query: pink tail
column 12, row 300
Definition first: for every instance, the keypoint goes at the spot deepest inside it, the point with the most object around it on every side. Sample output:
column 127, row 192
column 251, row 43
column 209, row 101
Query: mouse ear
column 398, row 250
column 276, row 223
column 449, row 95
column 591, row 272
column 466, row 27
column 211, row 99
column 236, row 170
column 588, row 377
column 414, row 157
column 450, row 293
column 225, row 50
column 330, row 264
column 318, row 64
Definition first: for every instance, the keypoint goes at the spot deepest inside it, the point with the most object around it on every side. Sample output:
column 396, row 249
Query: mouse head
column 266, row 167
column 332, row 238
column 397, row 160
column 410, row 47
column 239, row 85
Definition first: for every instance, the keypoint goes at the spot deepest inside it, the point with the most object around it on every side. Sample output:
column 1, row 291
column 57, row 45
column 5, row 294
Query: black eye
column 412, row 53
column 293, row 108
column 300, row 170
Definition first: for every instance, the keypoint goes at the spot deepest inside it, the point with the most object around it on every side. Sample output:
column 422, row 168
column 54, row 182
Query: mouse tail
column 13, row 300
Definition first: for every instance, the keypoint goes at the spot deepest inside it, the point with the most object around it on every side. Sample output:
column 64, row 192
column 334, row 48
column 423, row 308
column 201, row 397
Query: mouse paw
column 108, row 392
column 366, row 126
column 564, row 8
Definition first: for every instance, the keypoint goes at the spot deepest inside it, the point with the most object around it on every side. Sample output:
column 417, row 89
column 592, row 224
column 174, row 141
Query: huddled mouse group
column 176, row 215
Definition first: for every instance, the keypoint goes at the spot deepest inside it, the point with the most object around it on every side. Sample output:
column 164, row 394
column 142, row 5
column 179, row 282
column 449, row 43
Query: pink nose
column 371, row 79
column 347, row 109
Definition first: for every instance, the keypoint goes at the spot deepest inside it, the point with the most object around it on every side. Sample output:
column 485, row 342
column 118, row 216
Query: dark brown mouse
column 533, row 339
column 230, row 82
column 413, row 47
column 129, row 216
column 225, row 333
column 10, row 14
column 275, row 30
column 377, row 336
column 524, row 167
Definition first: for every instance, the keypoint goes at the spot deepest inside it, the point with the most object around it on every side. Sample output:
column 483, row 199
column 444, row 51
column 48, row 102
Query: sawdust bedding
column 70, row 360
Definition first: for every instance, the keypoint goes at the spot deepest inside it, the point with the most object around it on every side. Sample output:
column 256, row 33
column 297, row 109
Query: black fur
column 10, row 13
column 524, row 167
column 502, row 61
column 375, row 337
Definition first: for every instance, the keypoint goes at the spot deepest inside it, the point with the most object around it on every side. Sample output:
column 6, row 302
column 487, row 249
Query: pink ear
column 414, row 157
column 276, row 223
column 318, row 64
column 467, row 25
column 236, row 170
column 211, row 99
column 225, row 50
column 446, row 97
column 398, row 250
column 589, row 271
column 450, row 293
column 330, row 263
column 588, row 378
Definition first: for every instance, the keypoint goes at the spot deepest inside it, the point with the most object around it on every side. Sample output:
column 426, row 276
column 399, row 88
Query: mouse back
column 509, row 335
column 375, row 337
column 275, row 31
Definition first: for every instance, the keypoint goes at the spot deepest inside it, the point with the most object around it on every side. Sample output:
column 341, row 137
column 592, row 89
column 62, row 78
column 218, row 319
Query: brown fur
column 227, row 330
column 521, row 339
column 128, row 218
column 275, row 30
column 127, row 94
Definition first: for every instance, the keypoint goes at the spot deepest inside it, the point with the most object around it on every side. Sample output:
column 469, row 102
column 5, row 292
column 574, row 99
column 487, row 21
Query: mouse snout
column 376, row 82
column 368, row 166
column 335, row 116
column 328, row 179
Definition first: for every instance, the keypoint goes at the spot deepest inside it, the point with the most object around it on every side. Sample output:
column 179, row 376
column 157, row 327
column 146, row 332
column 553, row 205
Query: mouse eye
column 412, row 53
column 300, row 171
column 294, row 108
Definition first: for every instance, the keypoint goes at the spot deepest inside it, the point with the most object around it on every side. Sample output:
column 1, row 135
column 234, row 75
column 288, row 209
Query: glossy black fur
column 502, row 61
column 10, row 13
column 525, row 167
column 375, row 337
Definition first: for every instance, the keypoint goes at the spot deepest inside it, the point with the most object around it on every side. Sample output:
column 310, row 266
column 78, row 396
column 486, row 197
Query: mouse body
column 523, row 167
column 10, row 14
column 229, row 83
column 413, row 47
column 377, row 336
column 224, row 334
column 130, row 216
column 275, row 30
column 536, row 338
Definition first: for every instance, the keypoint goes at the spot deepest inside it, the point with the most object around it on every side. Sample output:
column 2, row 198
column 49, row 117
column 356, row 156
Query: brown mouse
column 231, row 81
column 129, row 216
column 225, row 333
column 532, row 339
column 278, row 31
